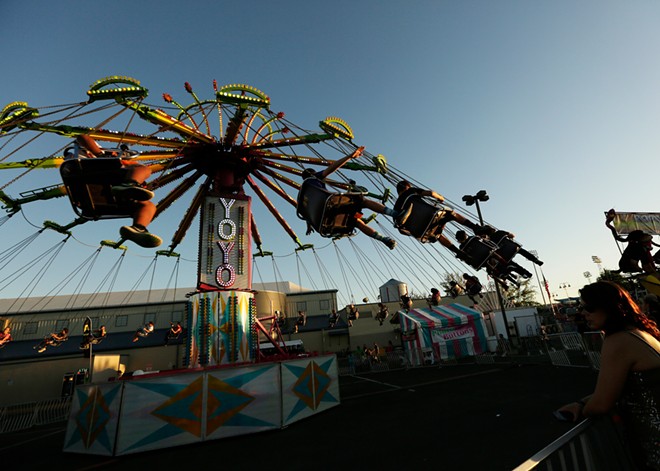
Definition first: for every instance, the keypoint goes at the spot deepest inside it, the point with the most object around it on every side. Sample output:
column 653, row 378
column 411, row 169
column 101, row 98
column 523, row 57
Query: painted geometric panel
column 309, row 386
column 93, row 420
column 161, row 412
column 243, row 400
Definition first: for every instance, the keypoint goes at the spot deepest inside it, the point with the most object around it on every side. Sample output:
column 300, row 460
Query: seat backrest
column 88, row 183
column 330, row 214
column 479, row 251
column 507, row 248
column 311, row 202
column 422, row 216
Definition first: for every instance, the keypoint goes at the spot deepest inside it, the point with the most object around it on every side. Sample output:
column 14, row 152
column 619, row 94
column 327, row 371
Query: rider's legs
column 371, row 232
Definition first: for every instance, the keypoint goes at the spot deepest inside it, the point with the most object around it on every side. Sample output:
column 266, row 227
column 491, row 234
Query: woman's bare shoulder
column 617, row 339
column 620, row 343
column 633, row 345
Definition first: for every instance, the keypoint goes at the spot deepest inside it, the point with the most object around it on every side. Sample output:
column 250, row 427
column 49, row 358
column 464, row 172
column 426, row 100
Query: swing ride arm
column 191, row 212
column 380, row 167
column 160, row 118
column 64, row 229
column 264, row 199
column 45, row 162
column 103, row 135
column 256, row 238
column 12, row 205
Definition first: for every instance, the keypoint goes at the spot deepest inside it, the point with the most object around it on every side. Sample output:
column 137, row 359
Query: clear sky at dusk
column 553, row 107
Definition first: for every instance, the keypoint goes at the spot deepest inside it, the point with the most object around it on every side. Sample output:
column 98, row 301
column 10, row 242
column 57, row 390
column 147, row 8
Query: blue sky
column 551, row 106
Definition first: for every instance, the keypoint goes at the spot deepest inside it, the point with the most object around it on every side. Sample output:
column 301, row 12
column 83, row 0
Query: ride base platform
column 162, row 410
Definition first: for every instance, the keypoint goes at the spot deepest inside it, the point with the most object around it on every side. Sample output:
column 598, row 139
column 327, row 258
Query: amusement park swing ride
column 227, row 152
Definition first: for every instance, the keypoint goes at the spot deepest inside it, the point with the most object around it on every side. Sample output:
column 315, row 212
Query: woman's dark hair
column 621, row 310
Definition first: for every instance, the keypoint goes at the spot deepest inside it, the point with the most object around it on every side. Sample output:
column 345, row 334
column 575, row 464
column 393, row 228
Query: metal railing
column 353, row 363
column 593, row 445
column 28, row 414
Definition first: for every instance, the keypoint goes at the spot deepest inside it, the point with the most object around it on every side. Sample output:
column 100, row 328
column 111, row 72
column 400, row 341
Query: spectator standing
column 629, row 376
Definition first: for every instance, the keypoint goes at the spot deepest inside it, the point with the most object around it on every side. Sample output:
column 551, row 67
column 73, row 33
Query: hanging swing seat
column 507, row 248
column 479, row 252
column 89, row 185
column 330, row 214
column 427, row 218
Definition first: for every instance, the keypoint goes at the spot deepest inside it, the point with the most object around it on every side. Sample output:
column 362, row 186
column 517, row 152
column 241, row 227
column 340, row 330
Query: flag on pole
column 547, row 290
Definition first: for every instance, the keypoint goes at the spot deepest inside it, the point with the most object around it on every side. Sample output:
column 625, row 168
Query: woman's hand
column 574, row 408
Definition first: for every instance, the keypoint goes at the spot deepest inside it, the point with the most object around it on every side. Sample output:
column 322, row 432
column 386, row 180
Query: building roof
column 97, row 300
column 286, row 287
column 393, row 282
column 122, row 298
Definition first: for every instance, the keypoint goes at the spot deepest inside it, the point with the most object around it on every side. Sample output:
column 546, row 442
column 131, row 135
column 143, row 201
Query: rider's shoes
column 391, row 243
column 131, row 191
column 142, row 237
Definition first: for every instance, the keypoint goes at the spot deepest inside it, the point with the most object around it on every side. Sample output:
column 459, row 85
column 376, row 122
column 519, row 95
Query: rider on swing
column 131, row 192
column 318, row 179
column 500, row 267
column 405, row 189
column 54, row 339
column 640, row 245
column 94, row 338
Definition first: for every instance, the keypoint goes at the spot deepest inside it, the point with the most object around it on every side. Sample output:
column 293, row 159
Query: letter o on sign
column 219, row 278
column 221, row 229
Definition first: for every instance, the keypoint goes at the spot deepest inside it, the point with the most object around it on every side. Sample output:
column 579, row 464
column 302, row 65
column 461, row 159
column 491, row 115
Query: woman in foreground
column 629, row 370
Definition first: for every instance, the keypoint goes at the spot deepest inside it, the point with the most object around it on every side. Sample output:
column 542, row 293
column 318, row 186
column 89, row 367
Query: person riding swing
column 54, row 339
column 478, row 252
column 422, row 219
column 129, row 192
column 174, row 332
column 316, row 179
column 473, row 287
column 93, row 337
column 638, row 250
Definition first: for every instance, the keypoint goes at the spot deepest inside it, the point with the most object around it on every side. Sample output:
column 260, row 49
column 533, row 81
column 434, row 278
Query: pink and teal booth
column 162, row 410
column 442, row 332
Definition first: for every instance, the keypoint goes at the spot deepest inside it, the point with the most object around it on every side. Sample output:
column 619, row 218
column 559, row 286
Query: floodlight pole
column 476, row 199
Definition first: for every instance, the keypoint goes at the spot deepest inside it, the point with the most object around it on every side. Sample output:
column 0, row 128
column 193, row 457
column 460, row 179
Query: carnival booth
column 442, row 333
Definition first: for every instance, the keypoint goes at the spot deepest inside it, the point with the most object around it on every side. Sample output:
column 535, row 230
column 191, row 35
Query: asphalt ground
column 467, row 417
